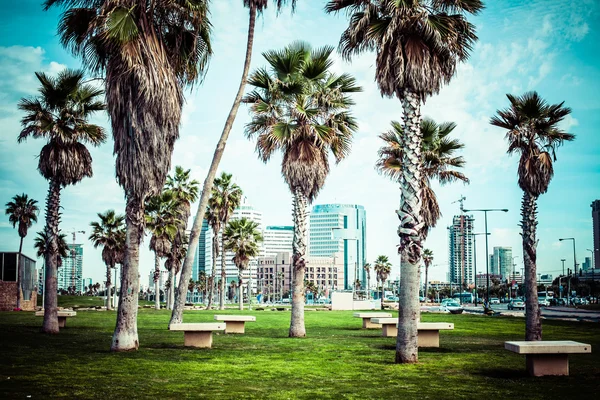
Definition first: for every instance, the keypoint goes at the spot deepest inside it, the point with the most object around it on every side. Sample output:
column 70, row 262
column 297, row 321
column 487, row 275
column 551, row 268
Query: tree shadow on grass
column 502, row 373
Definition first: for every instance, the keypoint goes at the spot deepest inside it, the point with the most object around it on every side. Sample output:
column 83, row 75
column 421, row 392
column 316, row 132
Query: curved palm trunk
column 211, row 289
column 19, row 275
column 50, row 324
column 382, row 291
column 409, row 231
column 300, row 203
column 186, row 273
column 172, row 289
column 125, row 336
column 156, row 281
column 223, row 275
column 241, row 290
column 533, row 323
column 108, row 287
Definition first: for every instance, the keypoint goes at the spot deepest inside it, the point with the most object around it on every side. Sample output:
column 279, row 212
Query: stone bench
column 366, row 317
column 428, row 332
column 197, row 334
column 235, row 323
column 547, row 357
column 62, row 316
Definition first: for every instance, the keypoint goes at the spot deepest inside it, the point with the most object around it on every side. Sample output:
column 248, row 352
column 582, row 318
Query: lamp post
column 592, row 251
column 514, row 266
column 574, row 256
column 487, row 267
column 474, row 235
column 559, row 284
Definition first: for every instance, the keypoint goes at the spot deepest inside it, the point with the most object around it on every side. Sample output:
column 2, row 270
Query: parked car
column 452, row 306
column 494, row 300
column 516, row 304
column 543, row 302
column 558, row 302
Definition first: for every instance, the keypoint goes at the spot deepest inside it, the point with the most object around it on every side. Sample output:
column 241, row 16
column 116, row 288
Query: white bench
column 197, row 334
column 62, row 316
column 366, row 317
column 429, row 332
column 235, row 323
column 547, row 357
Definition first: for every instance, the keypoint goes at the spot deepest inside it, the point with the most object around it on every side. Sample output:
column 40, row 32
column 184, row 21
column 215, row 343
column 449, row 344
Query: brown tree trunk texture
column 222, row 285
column 108, row 287
column 211, row 289
column 177, row 315
column 241, row 290
column 409, row 231
column 533, row 323
column 300, row 203
column 172, row 290
column 19, row 275
column 156, row 281
column 426, row 283
column 382, row 292
column 50, row 324
column 125, row 336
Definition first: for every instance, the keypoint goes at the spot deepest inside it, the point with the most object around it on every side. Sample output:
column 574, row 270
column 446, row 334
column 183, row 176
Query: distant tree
column 427, row 260
column 367, row 268
column 382, row 268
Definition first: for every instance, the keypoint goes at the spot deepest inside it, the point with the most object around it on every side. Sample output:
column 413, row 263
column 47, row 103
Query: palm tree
column 173, row 265
column 162, row 220
column 59, row 114
column 228, row 197
column 533, row 132
column 110, row 234
column 213, row 220
column 243, row 238
column 147, row 53
column 367, row 268
column 41, row 240
column 382, row 268
column 23, row 211
column 301, row 108
column 418, row 45
column 427, row 260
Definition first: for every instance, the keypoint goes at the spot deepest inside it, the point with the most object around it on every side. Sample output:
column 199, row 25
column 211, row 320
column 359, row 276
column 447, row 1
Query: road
column 547, row 312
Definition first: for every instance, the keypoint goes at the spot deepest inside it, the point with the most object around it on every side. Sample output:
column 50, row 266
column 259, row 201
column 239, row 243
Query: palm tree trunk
column 241, row 290
column 19, row 275
column 156, row 281
column 426, row 283
column 50, row 324
column 223, row 275
column 108, row 286
column 300, row 203
column 211, row 289
column 382, row 292
column 369, row 286
column 407, row 350
column 171, row 288
column 533, row 323
column 125, row 336
column 177, row 315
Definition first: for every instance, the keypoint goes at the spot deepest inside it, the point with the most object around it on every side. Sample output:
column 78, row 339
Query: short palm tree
column 60, row 115
column 243, row 238
column 22, row 211
column 162, row 220
column 109, row 233
column 427, row 260
column 367, row 268
column 41, row 240
column 533, row 132
column 418, row 45
column 301, row 108
column 382, row 268
column 147, row 52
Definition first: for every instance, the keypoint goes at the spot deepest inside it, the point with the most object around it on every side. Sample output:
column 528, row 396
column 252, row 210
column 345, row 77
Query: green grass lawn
column 338, row 359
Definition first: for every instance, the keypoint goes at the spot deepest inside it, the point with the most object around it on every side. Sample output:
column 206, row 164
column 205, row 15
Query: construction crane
column 461, row 201
column 74, row 255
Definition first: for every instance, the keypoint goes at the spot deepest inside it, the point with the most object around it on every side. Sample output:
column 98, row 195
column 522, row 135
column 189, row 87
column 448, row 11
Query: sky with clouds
column 546, row 45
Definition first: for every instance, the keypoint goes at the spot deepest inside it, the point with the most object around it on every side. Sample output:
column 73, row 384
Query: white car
column 543, row 302
column 494, row 300
column 451, row 306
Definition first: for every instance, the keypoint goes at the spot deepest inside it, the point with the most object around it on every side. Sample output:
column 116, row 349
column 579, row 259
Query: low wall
column 8, row 298
column 343, row 301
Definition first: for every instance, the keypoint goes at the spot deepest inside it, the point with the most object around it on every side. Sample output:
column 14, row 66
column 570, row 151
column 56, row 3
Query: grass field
column 338, row 359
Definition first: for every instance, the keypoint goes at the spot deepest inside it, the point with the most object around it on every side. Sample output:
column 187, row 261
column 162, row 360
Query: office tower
column 340, row 228
column 71, row 271
column 596, row 229
column 277, row 239
column 502, row 262
column 587, row 263
column 461, row 249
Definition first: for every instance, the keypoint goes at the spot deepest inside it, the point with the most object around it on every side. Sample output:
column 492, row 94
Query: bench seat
column 62, row 316
column 429, row 332
column 366, row 317
column 235, row 323
column 197, row 334
column 546, row 357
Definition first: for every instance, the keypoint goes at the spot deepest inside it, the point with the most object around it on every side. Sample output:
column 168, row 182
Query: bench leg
column 62, row 322
column 547, row 364
column 197, row 339
column 389, row 330
column 367, row 324
column 428, row 338
column 234, row 327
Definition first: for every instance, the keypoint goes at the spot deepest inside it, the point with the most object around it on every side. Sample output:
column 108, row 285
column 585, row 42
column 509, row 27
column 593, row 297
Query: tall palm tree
column 173, row 265
column 418, row 44
column 162, row 220
column 147, row 52
column 367, row 268
column 243, row 238
column 533, row 133
column 427, row 260
column 110, row 234
column 228, row 196
column 382, row 268
column 60, row 115
column 23, row 211
column 41, row 240
column 255, row 7
column 302, row 109
column 214, row 221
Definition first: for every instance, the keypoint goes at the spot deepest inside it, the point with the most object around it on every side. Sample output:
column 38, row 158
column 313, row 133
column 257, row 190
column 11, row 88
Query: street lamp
column 487, row 267
column 574, row 256
column 474, row 235
column 592, row 251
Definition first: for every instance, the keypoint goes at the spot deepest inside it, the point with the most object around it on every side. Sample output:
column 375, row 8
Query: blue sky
column 546, row 45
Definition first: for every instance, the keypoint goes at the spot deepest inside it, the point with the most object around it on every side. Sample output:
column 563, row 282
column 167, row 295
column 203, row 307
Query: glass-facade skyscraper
column 340, row 228
column 461, row 249
column 71, row 271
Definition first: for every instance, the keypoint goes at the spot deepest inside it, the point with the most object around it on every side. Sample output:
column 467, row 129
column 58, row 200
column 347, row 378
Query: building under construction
column 461, row 250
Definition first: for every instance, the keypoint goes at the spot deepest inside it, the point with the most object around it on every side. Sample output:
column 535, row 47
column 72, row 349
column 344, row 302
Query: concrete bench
column 62, row 316
column 548, row 357
column 198, row 334
column 366, row 317
column 429, row 332
column 235, row 323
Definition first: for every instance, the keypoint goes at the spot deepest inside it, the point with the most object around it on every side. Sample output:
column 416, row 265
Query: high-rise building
column 596, row 230
column 461, row 249
column 340, row 228
column 203, row 257
column 277, row 239
column 501, row 262
column 71, row 271
column 587, row 263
